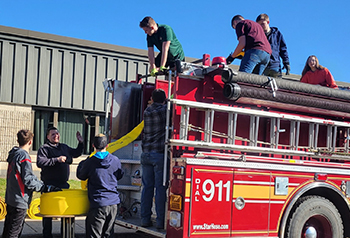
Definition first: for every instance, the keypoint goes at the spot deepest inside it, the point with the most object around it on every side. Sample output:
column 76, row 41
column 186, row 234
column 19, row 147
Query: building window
column 68, row 123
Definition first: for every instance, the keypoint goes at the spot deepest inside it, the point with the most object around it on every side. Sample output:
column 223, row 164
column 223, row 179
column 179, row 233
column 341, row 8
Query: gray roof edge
column 69, row 40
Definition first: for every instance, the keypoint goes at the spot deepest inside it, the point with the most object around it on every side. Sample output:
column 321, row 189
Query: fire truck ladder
column 271, row 147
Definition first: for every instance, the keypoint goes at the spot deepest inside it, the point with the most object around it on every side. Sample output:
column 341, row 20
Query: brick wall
column 12, row 119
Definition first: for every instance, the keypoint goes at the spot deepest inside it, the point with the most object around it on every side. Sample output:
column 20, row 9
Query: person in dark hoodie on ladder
column 102, row 170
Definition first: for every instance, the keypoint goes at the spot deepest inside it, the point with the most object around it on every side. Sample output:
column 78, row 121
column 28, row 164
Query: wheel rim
column 317, row 227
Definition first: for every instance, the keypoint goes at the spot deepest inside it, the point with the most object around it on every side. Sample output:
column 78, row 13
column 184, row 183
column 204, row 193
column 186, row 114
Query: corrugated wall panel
column 100, row 76
column 67, row 79
column 111, row 68
column 7, row 72
column 43, row 70
column 19, row 86
column 143, row 68
column 32, row 78
column 89, row 81
column 1, row 51
column 122, row 70
column 77, row 101
column 44, row 59
column 55, row 78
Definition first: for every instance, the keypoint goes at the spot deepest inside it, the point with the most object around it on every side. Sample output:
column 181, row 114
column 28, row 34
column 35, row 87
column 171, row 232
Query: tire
column 316, row 214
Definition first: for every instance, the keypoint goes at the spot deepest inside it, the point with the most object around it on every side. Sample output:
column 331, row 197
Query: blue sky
column 319, row 27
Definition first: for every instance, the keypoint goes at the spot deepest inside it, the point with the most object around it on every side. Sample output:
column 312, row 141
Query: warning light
column 321, row 177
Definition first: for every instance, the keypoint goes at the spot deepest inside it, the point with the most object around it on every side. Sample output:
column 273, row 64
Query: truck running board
column 135, row 223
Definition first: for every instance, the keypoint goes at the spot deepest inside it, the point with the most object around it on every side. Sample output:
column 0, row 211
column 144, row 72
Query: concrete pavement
column 33, row 229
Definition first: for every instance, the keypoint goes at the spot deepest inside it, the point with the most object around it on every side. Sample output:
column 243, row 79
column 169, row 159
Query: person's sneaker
column 146, row 224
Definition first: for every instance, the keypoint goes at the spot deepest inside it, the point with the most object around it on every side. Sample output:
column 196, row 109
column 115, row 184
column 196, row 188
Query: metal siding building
column 49, row 80
column 60, row 72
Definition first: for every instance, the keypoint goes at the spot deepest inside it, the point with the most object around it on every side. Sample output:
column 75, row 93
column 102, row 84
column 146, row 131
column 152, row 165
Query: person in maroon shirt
column 314, row 73
column 251, row 37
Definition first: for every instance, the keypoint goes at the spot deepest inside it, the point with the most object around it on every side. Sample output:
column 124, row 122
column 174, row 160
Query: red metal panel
column 252, row 187
column 211, row 202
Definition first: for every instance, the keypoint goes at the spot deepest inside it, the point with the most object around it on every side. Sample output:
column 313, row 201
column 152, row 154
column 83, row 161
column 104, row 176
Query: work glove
column 51, row 188
column 229, row 59
column 240, row 55
column 153, row 72
column 163, row 68
column 287, row 67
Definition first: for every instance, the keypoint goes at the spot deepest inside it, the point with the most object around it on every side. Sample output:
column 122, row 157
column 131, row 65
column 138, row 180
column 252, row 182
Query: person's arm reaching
column 239, row 47
column 329, row 79
column 43, row 160
column 30, row 181
column 165, row 50
column 152, row 66
column 79, row 150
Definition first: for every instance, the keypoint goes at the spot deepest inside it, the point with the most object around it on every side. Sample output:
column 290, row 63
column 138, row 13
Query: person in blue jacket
column 278, row 47
column 102, row 170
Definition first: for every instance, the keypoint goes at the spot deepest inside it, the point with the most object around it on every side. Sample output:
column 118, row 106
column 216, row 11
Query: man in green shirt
column 163, row 37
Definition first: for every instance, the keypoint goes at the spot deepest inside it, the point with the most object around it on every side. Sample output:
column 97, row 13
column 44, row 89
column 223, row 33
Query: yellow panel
column 251, row 191
column 188, row 190
column 66, row 202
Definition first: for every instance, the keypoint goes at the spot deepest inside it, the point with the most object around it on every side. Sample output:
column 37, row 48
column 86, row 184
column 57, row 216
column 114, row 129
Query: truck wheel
column 313, row 217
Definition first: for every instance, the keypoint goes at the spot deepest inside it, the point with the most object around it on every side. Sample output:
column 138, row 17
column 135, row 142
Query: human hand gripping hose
column 153, row 72
column 286, row 66
column 230, row 59
column 163, row 68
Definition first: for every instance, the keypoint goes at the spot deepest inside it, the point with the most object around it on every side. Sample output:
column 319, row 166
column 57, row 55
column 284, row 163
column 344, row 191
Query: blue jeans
column 254, row 58
column 152, row 177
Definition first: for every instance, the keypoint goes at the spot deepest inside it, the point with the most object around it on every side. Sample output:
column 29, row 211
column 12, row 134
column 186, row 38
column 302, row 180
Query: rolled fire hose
column 3, row 211
column 125, row 140
column 34, row 208
column 118, row 144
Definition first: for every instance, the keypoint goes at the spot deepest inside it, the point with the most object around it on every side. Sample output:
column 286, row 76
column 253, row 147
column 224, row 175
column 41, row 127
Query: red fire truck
column 250, row 155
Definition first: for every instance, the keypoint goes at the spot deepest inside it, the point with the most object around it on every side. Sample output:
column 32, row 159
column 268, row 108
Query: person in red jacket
column 314, row 73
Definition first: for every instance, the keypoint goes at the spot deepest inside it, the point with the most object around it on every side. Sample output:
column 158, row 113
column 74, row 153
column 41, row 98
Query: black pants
column 14, row 222
column 170, row 62
column 100, row 221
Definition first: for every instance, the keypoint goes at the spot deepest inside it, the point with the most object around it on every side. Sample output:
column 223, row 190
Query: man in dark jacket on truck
column 102, row 170
column 278, row 47
column 54, row 159
column 20, row 184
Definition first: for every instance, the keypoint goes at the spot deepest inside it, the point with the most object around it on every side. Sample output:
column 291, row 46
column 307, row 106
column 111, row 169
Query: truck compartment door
column 210, row 202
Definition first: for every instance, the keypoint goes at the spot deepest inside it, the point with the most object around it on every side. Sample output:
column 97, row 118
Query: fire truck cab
column 250, row 155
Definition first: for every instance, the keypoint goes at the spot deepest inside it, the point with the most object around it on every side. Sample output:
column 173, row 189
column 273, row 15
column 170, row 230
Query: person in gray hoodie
column 103, row 170
column 20, row 184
